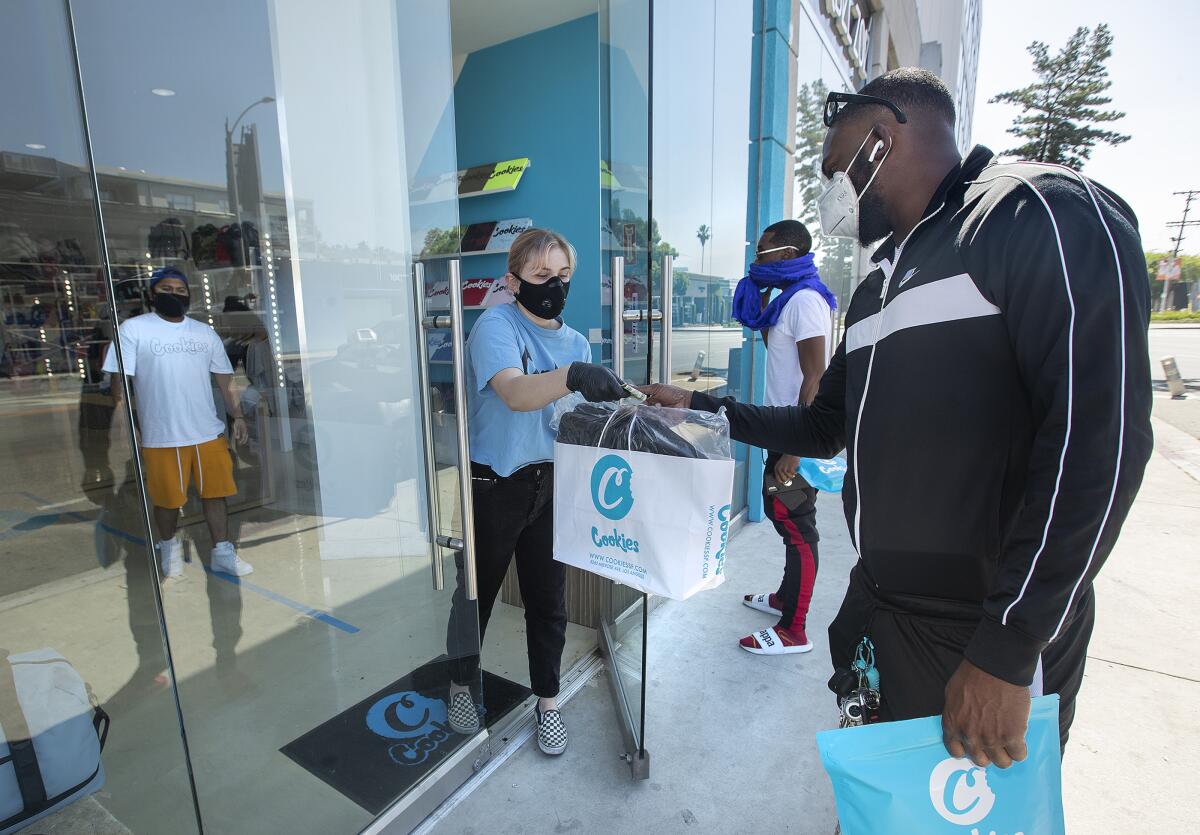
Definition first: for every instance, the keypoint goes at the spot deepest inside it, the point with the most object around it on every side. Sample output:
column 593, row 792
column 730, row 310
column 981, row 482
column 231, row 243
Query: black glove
column 595, row 382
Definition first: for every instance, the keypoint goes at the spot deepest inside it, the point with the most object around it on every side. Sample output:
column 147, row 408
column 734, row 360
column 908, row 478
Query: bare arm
column 812, row 366
column 529, row 392
column 225, row 384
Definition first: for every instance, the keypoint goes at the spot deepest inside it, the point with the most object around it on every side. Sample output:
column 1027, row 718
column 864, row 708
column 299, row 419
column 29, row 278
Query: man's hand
column 672, row 397
column 240, row 433
column 985, row 717
column 785, row 469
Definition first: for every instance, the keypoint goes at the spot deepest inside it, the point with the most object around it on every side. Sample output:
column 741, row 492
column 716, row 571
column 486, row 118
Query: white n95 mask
column 837, row 207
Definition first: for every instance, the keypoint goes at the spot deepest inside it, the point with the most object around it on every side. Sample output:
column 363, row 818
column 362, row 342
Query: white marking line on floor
column 1177, row 446
column 590, row 668
column 67, row 503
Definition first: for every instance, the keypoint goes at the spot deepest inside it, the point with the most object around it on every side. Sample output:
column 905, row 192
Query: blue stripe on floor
column 308, row 611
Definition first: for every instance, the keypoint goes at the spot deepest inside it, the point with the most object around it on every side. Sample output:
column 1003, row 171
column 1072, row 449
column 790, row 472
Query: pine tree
column 1061, row 108
column 810, row 137
column 836, row 254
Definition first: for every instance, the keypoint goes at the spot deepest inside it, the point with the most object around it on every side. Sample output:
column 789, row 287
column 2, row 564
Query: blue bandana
column 790, row 275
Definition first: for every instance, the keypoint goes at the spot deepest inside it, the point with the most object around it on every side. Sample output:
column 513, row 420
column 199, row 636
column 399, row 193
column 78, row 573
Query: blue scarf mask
column 791, row 275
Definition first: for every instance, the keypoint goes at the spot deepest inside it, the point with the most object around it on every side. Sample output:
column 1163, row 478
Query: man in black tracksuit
column 992, row 392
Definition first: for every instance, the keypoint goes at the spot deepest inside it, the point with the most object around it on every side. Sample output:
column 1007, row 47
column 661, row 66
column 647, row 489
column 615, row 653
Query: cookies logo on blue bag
column 959, row 791
column 612, row 487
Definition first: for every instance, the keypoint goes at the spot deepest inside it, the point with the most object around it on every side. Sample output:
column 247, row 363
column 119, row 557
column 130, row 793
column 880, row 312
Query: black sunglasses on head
column 834, row 102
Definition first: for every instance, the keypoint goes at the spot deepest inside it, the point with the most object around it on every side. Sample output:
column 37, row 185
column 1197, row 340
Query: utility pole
column 1182, row 225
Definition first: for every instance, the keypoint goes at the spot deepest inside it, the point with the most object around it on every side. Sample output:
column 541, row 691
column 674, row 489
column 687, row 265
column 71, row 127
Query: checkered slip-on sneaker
column 463, row 715
column 551, row 732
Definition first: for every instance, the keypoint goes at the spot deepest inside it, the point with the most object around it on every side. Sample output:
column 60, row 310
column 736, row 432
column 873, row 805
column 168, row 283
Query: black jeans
column 513, row 515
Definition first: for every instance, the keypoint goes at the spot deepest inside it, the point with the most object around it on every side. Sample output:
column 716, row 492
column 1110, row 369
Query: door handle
column 664, row 342
column 426, row 410
column 466, row 503
column 642, row 315
column 618, row 315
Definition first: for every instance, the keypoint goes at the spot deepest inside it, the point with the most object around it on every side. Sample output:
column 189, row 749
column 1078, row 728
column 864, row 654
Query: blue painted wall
column 538, row 96
column 769, row 174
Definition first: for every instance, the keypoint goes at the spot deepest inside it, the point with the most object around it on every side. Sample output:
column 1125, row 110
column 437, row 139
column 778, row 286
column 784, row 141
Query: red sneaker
column 776, row 641
column 768, row 603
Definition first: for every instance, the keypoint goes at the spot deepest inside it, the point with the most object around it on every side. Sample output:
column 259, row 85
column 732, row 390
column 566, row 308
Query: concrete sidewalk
column 730, row 734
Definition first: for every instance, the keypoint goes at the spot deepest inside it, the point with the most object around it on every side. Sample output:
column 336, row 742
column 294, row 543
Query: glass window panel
column 280, row 156
column 77, row 582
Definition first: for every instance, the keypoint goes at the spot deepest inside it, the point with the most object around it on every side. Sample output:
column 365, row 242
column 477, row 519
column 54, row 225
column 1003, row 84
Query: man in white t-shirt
column 173, row 360
column 797, row 327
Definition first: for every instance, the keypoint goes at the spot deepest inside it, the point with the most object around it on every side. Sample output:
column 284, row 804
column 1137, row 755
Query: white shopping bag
column 656, row 523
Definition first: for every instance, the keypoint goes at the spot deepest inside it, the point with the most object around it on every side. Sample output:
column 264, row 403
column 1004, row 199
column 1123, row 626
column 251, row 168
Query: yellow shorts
column 169, row 470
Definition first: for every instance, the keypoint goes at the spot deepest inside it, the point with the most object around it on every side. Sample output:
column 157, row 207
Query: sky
column 1154, row 73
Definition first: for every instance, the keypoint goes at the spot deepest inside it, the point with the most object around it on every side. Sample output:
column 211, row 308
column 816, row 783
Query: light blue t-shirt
column 504, row 338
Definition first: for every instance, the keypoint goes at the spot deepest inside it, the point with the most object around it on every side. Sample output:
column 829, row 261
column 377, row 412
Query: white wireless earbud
column 875, row 150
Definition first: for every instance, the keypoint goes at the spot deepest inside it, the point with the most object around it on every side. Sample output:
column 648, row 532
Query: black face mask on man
column 171, row 305
column 543, row 300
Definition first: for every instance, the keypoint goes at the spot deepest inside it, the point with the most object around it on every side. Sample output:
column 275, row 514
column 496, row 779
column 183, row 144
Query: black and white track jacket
column 992, row 391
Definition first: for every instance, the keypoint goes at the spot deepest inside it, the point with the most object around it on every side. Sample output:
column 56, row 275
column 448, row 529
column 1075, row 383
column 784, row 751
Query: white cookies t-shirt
column 805, row 315
column 171, row 363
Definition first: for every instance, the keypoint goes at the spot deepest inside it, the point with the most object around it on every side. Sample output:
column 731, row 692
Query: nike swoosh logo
column 909, row 275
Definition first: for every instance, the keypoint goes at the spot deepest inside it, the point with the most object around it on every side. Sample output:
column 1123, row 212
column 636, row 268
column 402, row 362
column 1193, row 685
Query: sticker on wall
column 476, row 293
column 493, row 178
column 493, row 235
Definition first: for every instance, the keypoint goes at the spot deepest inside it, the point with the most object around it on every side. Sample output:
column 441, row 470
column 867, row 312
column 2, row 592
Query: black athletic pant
column 794, row 514
column 919, row 643
column 513, row 515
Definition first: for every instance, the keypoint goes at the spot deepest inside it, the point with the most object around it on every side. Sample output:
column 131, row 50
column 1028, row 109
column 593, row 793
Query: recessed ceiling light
column 162, row 91
column 35, row 146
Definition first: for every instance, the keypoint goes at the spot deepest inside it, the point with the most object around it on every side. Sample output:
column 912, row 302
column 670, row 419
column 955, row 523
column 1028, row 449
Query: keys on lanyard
column 861, row 706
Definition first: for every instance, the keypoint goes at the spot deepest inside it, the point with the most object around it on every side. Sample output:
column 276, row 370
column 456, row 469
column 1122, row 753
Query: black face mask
column 543, row 300
column 171, row 305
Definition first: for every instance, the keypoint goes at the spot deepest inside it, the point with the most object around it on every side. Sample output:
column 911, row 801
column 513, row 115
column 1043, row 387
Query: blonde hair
column 533, row 245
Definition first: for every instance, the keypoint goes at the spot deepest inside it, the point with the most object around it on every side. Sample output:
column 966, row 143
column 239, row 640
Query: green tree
column 1060, row 110
column 679, row 286
column 443, row 241
column 836, row 254
column 810, row 137
column 703, row 234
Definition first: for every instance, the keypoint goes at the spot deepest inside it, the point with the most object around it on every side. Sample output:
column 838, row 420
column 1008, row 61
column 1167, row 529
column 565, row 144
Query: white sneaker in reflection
column 171, row 558
column 226, row 560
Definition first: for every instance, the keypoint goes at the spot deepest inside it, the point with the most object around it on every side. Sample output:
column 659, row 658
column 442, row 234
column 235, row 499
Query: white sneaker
column 226, row 560
column 171, row 558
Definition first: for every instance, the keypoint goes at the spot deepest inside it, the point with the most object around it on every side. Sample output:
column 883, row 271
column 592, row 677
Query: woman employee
column 521, row 358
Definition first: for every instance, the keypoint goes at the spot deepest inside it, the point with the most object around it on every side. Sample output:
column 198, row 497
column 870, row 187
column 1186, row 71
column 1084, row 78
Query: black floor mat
column 375, row 751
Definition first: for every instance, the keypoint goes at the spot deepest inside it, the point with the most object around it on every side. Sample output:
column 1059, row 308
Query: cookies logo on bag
column 612, row 487
column 959, row 791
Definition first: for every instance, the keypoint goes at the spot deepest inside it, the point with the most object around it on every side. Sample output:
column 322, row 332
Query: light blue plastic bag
column 896, row 777
column 825, row 474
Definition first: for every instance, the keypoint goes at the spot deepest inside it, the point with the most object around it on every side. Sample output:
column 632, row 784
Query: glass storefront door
column 287, row 159
column 630, row 251
column 700, row 155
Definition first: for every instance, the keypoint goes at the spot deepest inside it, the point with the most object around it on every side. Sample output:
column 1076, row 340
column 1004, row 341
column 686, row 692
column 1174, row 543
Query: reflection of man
column 796, row 326
column 994, row 396
column 170, row 358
